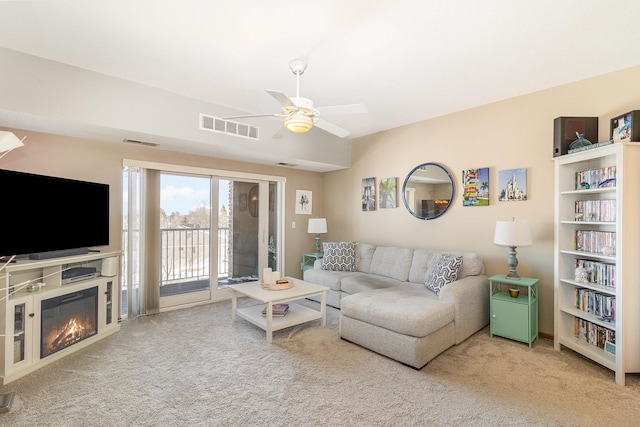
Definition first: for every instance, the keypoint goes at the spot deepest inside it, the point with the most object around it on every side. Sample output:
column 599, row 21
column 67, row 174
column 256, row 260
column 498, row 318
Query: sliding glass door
column 185, row 237
column 199, row 230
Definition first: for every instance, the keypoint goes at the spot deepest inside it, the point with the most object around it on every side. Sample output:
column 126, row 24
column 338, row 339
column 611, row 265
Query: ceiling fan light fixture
column 298, row 123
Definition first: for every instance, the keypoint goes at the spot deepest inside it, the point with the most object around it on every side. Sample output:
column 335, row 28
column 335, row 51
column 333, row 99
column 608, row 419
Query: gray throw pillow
column 443, row 271
column 339, row 256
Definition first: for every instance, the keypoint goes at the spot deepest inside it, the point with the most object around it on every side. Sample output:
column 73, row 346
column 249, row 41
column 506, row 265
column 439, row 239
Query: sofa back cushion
column 364, row 255
column 392, row 262
column 472, row 264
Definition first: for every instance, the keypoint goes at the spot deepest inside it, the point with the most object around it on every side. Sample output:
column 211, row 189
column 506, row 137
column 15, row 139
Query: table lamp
column 512, row 233
column 317, row 226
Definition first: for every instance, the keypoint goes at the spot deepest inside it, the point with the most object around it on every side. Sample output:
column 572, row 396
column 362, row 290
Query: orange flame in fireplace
column 71, row 333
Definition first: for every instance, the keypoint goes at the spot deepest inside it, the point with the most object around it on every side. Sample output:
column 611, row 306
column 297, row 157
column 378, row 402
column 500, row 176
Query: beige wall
column 102, row 162
column 516, row 133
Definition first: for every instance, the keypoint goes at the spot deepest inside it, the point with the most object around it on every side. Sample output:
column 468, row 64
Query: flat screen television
column 42, row 215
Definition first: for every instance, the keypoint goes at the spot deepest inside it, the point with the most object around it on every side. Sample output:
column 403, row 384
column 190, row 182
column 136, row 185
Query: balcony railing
column 185, row 255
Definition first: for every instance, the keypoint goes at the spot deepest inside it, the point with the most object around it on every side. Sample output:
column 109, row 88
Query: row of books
column 593, row 178
column 279, row 310
column 595, row 210
column 595, row 241
column 601, row 273
column 593, row 334
column 601, row 305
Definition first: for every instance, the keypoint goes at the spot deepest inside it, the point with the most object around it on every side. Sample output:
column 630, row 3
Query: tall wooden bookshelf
column 597, row 224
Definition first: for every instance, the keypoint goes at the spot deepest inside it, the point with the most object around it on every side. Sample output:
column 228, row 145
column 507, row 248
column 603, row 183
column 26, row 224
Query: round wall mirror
column 428, row 191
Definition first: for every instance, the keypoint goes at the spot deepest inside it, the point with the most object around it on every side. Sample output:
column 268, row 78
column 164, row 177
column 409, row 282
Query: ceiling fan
column 299, row 113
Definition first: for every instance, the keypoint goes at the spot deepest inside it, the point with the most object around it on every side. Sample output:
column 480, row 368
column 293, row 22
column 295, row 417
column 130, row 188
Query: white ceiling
column 406, row 60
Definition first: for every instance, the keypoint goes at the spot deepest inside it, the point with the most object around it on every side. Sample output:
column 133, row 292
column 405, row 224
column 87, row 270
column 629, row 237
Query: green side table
column 309, row 259
column 514, row 318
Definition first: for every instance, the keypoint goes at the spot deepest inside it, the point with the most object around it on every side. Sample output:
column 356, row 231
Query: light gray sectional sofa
column 387, row 308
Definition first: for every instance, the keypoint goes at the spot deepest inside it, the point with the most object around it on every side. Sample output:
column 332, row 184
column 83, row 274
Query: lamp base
column 512, row 275
column 513, row 263
column 317, row 243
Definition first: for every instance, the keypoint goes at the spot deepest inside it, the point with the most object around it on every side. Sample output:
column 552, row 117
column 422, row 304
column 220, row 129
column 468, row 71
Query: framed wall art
column 304, row 202
column 512, row 185
column 388, row 190
column 475, row 187
column 368, row 194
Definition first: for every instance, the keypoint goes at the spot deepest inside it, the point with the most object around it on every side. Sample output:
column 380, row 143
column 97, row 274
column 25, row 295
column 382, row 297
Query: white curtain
column 135, row 243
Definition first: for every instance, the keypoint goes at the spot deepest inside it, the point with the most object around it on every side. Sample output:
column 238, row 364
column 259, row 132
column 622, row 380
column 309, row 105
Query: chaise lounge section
column 406, row 304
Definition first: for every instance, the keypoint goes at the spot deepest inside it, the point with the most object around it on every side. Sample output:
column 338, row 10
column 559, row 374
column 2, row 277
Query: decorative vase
column 580, row 142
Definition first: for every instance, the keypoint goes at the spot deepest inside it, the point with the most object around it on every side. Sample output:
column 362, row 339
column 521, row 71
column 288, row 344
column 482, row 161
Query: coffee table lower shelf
column 296, row 315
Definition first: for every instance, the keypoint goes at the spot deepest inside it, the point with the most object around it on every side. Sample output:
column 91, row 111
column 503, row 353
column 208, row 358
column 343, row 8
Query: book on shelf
column 278, row 310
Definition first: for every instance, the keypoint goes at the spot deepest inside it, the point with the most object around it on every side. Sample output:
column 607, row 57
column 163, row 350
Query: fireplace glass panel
column 68, row 319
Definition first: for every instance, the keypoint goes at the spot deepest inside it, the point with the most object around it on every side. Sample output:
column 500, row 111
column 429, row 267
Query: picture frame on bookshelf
column 610, row 347
column 626, row 127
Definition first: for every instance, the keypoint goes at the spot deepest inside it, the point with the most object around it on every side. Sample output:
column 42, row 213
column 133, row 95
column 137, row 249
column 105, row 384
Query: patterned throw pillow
column 339, row 256
column 445, row 270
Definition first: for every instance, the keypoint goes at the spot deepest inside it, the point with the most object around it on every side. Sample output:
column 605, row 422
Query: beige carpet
column 195, row 367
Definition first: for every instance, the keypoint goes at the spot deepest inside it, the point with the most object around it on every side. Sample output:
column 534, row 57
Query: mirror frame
column 404, row 186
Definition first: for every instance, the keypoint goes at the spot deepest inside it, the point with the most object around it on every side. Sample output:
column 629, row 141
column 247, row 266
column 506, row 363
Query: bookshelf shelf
column 610, row 260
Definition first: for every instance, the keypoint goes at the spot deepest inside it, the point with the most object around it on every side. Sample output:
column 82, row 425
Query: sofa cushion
column 332, row 279
column 422, row 260
column 472, row 264
column 355, row 283
column 364, row 254
column 444, row 271
column 404, row 310
column 340, row 256
column 392, row 262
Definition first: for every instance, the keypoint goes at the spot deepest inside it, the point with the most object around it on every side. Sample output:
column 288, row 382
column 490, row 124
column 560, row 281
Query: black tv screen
column 43, row 213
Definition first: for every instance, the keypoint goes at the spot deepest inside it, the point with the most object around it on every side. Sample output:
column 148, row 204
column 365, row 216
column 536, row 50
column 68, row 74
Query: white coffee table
column 297, row 313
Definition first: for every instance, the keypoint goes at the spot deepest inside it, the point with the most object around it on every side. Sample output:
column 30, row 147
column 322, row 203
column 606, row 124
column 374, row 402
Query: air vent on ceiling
column 134, row 141
column 216, row 124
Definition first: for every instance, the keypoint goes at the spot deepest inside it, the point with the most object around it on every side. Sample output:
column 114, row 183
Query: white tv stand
column 20, row 310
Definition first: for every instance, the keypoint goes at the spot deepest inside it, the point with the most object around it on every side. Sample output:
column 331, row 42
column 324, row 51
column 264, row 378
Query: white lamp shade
column 317, row 226
column 8, row 141
column 512, row 233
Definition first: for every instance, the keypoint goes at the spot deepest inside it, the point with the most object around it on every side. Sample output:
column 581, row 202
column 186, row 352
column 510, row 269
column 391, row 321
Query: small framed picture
column 388, row 193
column 304, row 202
column 610, row 347
column 368, row 194
column 512, row 185
column 626, row 127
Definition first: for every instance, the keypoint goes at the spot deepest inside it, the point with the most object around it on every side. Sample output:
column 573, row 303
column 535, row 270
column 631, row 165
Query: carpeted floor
column 195, row 367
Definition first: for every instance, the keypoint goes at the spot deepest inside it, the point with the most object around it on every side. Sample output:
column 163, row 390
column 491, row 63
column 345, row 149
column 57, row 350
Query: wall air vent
column 216, row 124
column 134, row 141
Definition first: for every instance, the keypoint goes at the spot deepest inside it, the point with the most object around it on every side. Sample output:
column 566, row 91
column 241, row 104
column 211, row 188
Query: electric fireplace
column 68, row 319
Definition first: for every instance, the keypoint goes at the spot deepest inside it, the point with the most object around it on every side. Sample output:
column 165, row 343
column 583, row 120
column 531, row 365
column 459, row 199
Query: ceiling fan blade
column 283, row 99
column 331, row 128
column 343, row 109
column 280, row 133
column 245, row 116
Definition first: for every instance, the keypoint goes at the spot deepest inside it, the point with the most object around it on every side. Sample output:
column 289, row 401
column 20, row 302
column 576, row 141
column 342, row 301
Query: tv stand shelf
column 24, row 285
